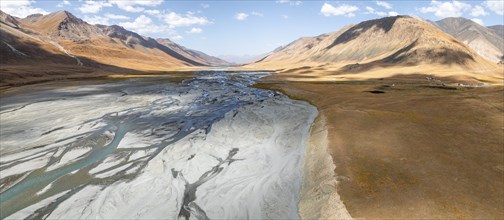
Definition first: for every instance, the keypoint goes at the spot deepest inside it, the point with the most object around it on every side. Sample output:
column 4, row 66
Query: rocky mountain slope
column 499, row 29
column 391, row 42
column 60, row 38
column 487, row 42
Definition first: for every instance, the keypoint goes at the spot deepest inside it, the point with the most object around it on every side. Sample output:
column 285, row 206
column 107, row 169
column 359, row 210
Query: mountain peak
column 396, row 40
column 487, row 42
column 65, row 16
column 8, row 19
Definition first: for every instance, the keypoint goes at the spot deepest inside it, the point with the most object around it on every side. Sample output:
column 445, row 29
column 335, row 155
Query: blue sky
column 249, row 27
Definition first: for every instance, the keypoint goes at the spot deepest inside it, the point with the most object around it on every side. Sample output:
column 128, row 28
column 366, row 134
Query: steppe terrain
column 405, row 147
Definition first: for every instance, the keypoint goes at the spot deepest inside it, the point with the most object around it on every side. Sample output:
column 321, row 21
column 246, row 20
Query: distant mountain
column 192, row 54
column 63, row 34
column 499, row 29
column 389, row 42
column 241, row 59
column 487, row 42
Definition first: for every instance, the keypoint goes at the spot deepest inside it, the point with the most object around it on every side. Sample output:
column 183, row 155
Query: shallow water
column 64, row 139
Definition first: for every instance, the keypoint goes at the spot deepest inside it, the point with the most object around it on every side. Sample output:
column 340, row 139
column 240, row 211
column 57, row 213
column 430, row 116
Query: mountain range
column 67, row 45
column 60, row 40
column 398, row 45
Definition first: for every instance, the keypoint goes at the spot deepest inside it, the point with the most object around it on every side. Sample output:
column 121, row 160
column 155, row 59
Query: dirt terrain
column 408, row 147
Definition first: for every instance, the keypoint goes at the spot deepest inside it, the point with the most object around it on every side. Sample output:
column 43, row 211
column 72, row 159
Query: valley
column 392, row 117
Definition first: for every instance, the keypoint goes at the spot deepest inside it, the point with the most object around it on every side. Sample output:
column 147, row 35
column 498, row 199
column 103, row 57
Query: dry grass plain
column 408, row 147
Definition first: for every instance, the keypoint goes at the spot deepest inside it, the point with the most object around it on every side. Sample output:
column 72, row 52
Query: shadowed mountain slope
column 485, row 41
column 391, row 42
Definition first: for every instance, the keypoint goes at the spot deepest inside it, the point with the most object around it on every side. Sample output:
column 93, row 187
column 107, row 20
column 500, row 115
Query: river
column 209, row 147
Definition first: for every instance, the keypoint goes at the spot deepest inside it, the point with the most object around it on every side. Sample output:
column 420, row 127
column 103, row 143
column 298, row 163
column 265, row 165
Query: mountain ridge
column 92, row 41
column 485, row 41
column 391, row 45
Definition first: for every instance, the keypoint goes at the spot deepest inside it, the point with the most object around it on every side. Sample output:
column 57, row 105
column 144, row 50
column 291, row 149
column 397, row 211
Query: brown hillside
column 392, row 42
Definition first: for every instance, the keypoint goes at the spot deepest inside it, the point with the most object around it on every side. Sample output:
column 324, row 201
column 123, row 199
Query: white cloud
column 370, row 10
column 153, row 12
column 95, row 19
column 93, row 7
column 135, row 5
column 116, row 17
column 344, row 9
column 205, row 5
column 142, row 25
column 290, row 2
column 63, row 3
column 478, row 11
column 496, row 6
column 384, row 4
column 285, row 16
column 446, row 9
column 173, row 35
column 392, row 13
column 477, row 20
column 241, row 16
column 175, row 20
column 20, row 8
column 255, row 13
column 195, row 30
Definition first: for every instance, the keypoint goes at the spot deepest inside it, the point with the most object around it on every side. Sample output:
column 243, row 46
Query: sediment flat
column 208, row 147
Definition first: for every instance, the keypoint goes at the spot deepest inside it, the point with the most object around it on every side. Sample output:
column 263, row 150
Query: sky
column 242, row 27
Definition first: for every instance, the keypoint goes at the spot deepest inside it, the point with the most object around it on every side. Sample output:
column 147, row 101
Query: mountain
column 60, row 38
column 487, row 42
column 499, row 29
column 241, row 59
column 381, row 45
column 192, row 54
column 8, row 19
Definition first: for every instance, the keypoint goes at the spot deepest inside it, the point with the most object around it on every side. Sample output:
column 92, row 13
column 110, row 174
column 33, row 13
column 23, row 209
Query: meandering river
column 209, row 147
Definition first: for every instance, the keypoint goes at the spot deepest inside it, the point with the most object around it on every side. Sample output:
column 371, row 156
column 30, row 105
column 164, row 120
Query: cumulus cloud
column 241, row 16
column 20, row 8
column 384, row 4
column 205, row 5
column 176, row 20
column 478, row 11
column 446, row 9
column 153, row 12
column 142, row 25
column 477, row 20
column 496, row 6
column 93, row 7
column 63, row 3
column 344, row 9
column 135, row 5
column 195, row 30
column 370, row 10
column 95, row 19
column 392, row 13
